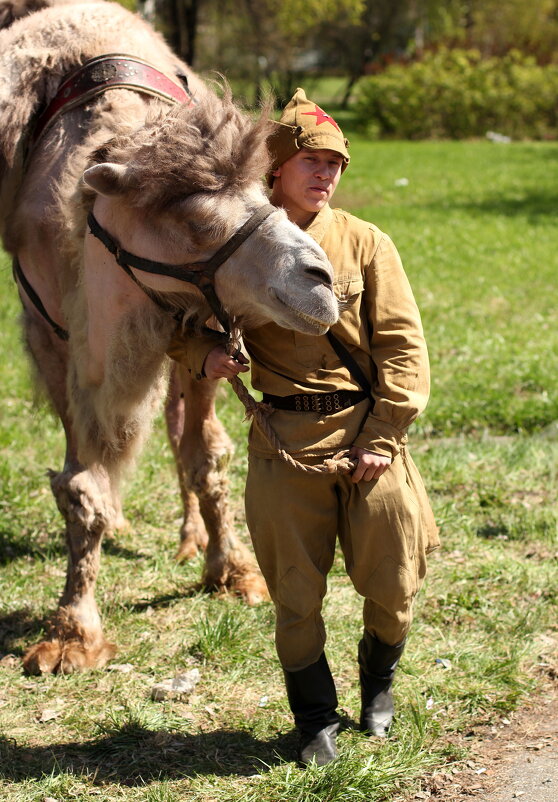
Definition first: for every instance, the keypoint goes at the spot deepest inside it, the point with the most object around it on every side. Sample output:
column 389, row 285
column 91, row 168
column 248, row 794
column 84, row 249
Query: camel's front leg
column 193, row 535
column 87, row 503
column 205, row 452
column 76, row 639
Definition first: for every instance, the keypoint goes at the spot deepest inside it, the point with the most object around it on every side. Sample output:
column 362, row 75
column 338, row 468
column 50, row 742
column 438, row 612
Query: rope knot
column 339, row 463
column 260, row 412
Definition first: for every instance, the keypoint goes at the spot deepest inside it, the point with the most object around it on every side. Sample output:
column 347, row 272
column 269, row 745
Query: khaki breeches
column 294, row 520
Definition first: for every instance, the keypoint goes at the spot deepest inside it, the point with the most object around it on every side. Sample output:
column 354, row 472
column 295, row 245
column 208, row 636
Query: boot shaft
column 377, row 663
column 377, row 660
column 312, row 696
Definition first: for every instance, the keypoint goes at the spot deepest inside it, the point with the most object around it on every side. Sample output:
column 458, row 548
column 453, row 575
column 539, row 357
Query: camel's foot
column 193, row 539
column 241, row 578
column 122, row 526
column 71, row 646
column 59, row 656
column 251, row 587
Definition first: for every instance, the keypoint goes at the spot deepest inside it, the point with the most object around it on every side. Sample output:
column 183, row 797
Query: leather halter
column 110, row 71
column 119, row 71
column 200, row 274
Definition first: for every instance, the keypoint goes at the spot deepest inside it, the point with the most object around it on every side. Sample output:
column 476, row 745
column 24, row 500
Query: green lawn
column 475, row 225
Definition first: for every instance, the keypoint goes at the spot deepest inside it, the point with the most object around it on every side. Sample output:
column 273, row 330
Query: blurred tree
column 382, row 30
column 276, row 43
column 531, row 27
column 492, row 26
column 260, row 42
column 178, row 21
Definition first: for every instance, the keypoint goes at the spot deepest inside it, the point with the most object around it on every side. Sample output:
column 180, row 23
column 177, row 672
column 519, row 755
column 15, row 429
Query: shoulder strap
column 350, row 363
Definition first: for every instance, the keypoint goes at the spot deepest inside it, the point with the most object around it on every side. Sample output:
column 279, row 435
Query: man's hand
column 220, row 365
column 369, row 466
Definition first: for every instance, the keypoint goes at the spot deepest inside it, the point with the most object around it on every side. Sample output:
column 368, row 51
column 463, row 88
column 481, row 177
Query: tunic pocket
column 315, row 353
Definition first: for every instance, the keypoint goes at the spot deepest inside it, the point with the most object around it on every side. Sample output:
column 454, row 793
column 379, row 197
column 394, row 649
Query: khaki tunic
column 385, row 527
column 380, row 326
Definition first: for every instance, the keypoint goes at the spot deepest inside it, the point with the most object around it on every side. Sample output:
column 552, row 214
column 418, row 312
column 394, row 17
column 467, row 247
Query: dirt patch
column 517, row 759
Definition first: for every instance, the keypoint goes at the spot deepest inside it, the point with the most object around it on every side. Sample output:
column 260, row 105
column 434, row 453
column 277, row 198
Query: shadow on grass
column 165, row 600
column 534, row 205
column 168, row 599
column 493, row 531
column 14, row 546
column 133, row 756
column 538, row 206
column 111, row 547
column 19, row 625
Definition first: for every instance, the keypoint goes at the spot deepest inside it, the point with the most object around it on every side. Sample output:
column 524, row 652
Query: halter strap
column 200, row 274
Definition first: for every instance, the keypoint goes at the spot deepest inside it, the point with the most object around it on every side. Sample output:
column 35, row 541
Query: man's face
column 306, row 182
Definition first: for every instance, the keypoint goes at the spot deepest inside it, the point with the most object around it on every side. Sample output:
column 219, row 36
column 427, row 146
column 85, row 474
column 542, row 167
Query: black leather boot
column 377, row 663
column 313, row 700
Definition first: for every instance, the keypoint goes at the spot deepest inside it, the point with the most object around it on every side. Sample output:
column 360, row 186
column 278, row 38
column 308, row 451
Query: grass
column 474, row 225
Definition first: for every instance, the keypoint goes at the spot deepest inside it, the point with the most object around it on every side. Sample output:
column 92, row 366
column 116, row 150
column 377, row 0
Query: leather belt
column 322, row 403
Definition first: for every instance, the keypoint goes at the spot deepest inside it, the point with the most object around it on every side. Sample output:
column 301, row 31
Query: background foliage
column 284, row 42
column 458, row 94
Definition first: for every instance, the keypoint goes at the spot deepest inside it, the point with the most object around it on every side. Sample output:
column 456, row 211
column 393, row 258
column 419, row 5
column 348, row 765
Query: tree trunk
column 179, row 20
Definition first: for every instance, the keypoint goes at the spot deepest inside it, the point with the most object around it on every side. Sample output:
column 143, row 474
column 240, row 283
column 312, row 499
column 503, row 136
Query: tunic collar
column 320, row 223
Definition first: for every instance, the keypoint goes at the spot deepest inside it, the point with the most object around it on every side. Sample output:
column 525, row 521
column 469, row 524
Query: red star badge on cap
column 322, row 117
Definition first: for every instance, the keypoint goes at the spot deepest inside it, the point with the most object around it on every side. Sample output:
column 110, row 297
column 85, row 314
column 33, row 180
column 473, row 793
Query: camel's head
column 277, row 274
column 177, row 190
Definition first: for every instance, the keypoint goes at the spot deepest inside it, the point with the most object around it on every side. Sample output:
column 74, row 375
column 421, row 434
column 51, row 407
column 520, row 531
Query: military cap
column 303, row 124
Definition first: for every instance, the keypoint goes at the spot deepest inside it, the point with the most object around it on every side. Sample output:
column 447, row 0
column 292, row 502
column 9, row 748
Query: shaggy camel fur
column 169, row 183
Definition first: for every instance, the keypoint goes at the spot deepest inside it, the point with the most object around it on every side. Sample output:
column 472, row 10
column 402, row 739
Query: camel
column 91, row 195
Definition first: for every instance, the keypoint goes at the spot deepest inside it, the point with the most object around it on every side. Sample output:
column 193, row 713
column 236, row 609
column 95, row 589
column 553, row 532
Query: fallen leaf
column 10, row 661
column 48, row 715
column 180, row 686
column 123, row 668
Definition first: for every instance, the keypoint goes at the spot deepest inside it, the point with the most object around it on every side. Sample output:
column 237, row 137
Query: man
column 323, row 403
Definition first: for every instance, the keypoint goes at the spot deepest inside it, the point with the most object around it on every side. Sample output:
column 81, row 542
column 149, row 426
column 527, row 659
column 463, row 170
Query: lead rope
column 260, row 412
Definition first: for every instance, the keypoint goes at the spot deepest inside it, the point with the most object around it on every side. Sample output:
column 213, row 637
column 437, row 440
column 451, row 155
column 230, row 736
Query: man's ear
column 276, row 173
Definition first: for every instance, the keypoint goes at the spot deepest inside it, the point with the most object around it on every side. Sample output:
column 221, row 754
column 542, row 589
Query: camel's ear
column 108, row 178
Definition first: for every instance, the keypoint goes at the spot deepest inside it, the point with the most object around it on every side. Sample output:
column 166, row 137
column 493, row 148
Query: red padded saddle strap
column 112, row 71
